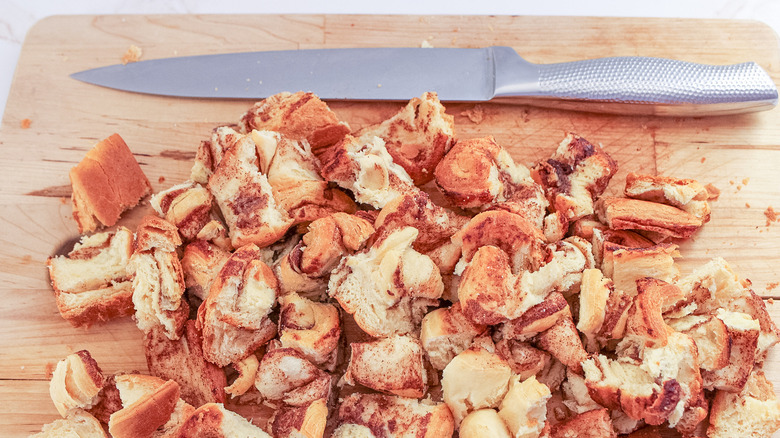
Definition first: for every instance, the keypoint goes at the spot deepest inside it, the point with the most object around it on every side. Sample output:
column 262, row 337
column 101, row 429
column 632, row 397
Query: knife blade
column 621, row 85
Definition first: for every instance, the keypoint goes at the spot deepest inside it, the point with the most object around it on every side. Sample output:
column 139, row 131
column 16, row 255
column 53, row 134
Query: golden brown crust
column 145, row 415
column 576, row 174
column 392, row 365
column 645, row 319
column 299, row 116
column 182, row 361
column 106, row 182
column 478, row 172
column 512, row 233
column 417, row 137
column 636, row 214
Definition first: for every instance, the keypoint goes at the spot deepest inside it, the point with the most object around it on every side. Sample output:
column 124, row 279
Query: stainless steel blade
column 352, row 74
column 619, row 85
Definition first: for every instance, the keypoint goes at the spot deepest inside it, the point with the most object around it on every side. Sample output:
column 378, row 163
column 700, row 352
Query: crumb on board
column 25, row 123
column 772, row 285
column 747, row 205
column 48, row 369
column 745, row 181
column 703, row 159
column 425, row 44
column 133, row 54
column 476, row 114
column 161, row 179
column 712, row 192
column 731, row 182
column 739, row 187
column 771, row 215
column 770, row 301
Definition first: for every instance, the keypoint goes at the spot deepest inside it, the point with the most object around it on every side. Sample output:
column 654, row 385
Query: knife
column 618, row 85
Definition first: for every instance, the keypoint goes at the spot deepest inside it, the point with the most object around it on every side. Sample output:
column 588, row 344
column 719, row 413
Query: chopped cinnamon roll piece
column 490, row 292
column 636, row 214
column 576, row 174
column 363, row 166
column 285, row 375
column 391, row 365
column 361, row 414
column 436, row 226
column 306, row 268
column 476, row 378
column 388, row 287
column 246, row 199
column 158, row 283
column 686, row 194
column 201, row 263
column 186, row 205
column 445, row 333
column 76, row 383
column 93, row 282
column 417, row 137
column 299, row 116
column 311, row 328
column 234, row 318
column 477, row 172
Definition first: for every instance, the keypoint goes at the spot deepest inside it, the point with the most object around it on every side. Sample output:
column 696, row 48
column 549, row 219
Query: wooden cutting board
column 738, row 154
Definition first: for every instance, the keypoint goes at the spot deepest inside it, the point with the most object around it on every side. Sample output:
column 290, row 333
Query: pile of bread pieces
column 305, row 267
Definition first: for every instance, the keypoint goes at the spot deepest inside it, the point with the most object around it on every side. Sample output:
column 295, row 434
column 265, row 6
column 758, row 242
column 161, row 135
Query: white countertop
column 18, row 16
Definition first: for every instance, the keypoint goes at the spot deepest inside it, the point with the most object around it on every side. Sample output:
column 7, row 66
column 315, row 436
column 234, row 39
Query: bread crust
column 200, row 381
column 106, row 182
column 147, row 414
column 636, row 214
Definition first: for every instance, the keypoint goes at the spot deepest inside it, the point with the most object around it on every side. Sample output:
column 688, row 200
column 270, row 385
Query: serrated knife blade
column 622, row 85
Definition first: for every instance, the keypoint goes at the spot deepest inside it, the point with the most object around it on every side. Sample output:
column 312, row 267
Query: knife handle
column 662, row 86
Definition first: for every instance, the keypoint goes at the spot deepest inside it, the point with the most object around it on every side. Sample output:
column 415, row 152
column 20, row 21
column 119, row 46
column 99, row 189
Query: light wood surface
column 738, row 154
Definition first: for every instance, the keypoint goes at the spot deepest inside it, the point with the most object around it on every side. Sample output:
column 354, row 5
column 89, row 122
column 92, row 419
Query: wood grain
column 738, row 154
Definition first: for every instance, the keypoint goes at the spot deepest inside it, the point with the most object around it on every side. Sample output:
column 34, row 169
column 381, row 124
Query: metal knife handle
column 656, row 80
column 674, row 87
